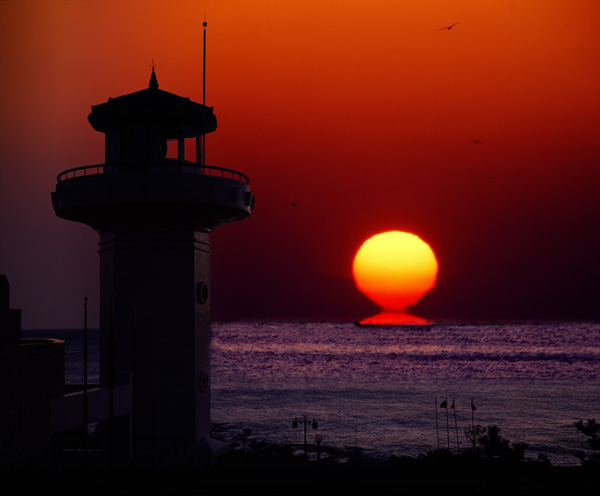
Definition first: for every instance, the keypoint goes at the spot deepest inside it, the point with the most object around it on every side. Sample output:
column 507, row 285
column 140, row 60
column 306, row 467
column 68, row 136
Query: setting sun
column 395, row 269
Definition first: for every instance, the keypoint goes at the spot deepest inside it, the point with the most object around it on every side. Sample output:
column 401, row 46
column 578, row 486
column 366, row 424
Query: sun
column 395, row 269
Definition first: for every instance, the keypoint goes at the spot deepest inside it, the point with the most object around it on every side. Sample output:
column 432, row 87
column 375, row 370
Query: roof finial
column 153, row 81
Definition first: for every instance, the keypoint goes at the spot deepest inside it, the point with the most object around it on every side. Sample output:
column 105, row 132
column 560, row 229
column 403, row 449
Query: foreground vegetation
column 492, row 462
column 491, row 465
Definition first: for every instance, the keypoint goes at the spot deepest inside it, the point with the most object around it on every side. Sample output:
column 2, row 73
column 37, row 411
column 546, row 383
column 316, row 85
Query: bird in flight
column 448, row 27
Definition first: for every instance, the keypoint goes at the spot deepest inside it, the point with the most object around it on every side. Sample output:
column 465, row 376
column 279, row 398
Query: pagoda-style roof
column 152, row 105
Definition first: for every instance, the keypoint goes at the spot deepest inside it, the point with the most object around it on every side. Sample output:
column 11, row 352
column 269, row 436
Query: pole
column 204, row 90
column 111, row 380
column 456, row 427
column 473, row 423
column 304, row 434
column 437, row 425
column 204, row 64
column 447, row 425
column 133, row 432
column 319, row 440
column 85, row 382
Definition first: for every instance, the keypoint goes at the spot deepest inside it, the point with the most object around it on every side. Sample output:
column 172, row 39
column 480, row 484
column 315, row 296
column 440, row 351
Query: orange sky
column 483, row 140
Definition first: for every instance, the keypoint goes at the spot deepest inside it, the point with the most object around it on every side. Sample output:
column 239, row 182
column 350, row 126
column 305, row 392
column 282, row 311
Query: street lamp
column 318, row 440
column 245, row 435
column 305, row 422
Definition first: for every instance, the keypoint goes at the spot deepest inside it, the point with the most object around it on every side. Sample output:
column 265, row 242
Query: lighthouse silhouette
column 154, row 211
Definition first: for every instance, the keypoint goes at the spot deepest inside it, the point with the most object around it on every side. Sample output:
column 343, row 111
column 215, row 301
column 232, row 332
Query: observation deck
column 139, row 184
column 161, row 192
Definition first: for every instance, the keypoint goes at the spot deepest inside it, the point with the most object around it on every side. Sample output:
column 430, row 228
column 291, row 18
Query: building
column 32, row 375
column 154, row 210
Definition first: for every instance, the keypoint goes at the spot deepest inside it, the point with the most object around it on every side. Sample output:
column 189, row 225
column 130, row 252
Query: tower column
column 165, row 273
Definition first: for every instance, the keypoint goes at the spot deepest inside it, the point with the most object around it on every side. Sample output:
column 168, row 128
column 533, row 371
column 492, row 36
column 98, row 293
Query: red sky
column 484, row 140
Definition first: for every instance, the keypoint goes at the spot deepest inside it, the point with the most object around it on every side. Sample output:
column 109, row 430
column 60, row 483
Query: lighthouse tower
column 154, row 211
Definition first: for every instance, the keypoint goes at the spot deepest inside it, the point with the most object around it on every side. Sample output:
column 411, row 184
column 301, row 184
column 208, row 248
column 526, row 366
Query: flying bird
column 448, row 27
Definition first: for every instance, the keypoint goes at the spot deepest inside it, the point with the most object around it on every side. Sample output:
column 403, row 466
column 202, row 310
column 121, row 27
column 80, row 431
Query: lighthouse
column 154, row 209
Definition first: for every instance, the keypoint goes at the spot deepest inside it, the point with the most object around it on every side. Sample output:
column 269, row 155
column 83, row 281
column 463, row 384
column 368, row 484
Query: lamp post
column 305, row 422
column 245, row 435
column 318, row 440
column 85, row 381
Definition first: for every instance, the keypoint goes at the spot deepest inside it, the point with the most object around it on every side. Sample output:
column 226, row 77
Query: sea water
column 377, row 391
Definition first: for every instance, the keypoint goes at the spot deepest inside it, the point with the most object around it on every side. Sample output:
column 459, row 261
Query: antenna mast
column 204, row 90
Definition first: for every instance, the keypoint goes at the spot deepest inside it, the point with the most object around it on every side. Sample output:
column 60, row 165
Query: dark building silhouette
column 32, row 376
column 154, row 211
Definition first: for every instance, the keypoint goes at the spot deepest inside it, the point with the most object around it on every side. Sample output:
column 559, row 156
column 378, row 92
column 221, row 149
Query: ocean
column 377, row 391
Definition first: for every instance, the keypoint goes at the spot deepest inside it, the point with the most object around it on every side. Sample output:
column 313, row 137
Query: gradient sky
column 483, row 140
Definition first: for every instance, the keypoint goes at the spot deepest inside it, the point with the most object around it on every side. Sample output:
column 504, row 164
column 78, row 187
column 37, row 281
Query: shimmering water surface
column 376, row 389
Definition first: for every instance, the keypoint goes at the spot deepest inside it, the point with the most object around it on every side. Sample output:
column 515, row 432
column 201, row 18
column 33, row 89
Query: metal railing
column 181, row 167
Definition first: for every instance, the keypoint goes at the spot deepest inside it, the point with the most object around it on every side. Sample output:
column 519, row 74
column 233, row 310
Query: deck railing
column 181, row 167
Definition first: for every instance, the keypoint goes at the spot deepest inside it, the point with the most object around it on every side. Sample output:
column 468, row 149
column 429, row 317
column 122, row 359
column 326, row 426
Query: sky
column 351, row 118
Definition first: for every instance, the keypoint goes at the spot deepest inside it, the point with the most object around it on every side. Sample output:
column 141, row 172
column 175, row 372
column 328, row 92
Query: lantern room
column 138, row 126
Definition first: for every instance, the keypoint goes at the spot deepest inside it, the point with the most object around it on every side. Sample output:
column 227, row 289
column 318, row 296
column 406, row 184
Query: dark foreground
column 241, row 472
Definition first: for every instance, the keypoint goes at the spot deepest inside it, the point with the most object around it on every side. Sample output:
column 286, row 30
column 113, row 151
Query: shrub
column 494, row 445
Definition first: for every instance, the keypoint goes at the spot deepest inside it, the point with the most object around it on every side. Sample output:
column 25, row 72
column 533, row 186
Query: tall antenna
column 204, row 64
column 204, row 90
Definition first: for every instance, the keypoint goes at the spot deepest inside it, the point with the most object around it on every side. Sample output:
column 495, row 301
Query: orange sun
column 395, row 269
